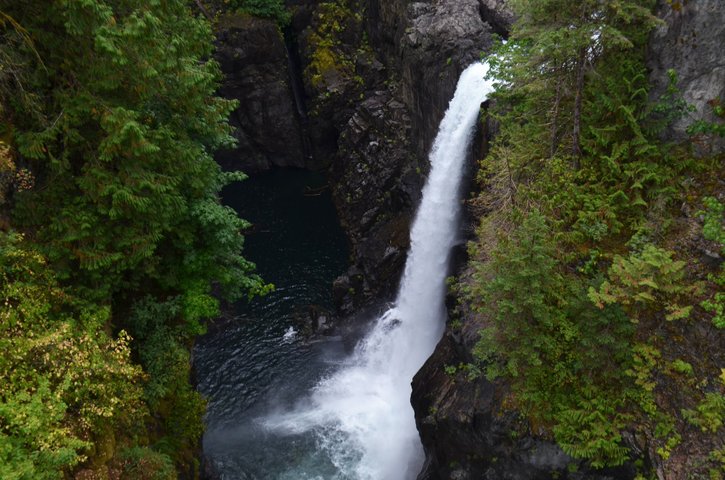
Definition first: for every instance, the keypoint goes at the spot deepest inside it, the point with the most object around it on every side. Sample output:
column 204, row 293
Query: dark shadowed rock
column 441, row 40
column 467, row 432
column 429, row 43
column 376, row 184
column 383, row 147
column 497, row 15
column 253, row 58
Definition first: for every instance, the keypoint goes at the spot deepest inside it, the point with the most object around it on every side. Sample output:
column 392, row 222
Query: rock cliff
column 267, row 123
column 400, row 62
column 690, row 42
column 428, row 44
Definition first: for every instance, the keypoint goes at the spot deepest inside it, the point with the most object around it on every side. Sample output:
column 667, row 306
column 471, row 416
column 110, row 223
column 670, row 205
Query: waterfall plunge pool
column 255, row 363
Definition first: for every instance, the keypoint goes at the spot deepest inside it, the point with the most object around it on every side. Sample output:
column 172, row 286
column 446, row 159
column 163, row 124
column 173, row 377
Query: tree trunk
column 579, row 93
column 554, row 140
column 204, row 10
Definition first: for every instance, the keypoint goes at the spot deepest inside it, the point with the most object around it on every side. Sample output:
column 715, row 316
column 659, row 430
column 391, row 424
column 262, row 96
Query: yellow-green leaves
column 62, row 376
column 646, row 281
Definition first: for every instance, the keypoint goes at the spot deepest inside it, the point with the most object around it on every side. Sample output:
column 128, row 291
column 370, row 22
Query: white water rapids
column 361, row 414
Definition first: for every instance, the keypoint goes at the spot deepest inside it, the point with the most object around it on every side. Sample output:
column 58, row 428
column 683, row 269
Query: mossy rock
column 104, row 448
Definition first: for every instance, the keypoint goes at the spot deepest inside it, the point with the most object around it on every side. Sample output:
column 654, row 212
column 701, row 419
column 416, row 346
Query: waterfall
column 361, row 414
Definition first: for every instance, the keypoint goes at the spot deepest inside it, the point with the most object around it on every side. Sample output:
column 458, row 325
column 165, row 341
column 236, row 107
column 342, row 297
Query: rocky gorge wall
column 383, row 150
column 267, row 124
column 689, row 42
column 375, row 78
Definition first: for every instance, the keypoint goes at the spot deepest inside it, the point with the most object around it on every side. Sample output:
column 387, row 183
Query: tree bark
column 554, row 140
column 204, row 10
column 579, row 93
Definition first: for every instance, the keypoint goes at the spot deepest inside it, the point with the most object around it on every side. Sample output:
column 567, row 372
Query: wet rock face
column 253, row 58
column 497, row 15
column 442, row 39
column 376, row 184
column 690, row 41
column 430, row 43
column 383, row 148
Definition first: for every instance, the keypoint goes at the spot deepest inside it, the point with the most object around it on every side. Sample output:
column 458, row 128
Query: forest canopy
column 113, row 244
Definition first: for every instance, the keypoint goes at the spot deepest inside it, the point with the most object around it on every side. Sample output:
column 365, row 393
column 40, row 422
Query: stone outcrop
column 429, row 43
column 383, row 149
column 255, row 64
column 376, row 185
column 497, row 15
column 690, row 42
column 442, row 39
column 468, row 434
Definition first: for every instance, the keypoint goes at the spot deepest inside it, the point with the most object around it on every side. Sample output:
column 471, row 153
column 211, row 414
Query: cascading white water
column 362, row 414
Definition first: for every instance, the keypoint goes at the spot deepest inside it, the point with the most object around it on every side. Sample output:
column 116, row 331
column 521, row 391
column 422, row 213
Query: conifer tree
column 556, row 44
column 111, row 105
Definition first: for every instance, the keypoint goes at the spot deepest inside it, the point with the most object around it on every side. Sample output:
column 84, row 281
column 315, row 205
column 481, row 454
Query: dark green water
column 245, row 366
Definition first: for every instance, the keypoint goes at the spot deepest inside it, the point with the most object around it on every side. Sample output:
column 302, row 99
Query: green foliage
column 274, row 9
column 568, row 372
column 671, row 106
column 717, row 456
column 111, row 107
column 332, row 68
column 590, row 428
column 141, row 463
column 554, row 48
column 571, row 280
column 704, row 127
column 164, row 355
column 646, row 280
column 63, row 377
column 131, row 149
column 681, row 366
column 709, row 415
column 714, row 230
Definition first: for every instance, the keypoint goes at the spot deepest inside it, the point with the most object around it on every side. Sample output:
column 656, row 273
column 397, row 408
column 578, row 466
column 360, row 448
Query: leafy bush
column 646, row 280
column 63, row 378
column 142, row 463
column 568, row 373
column 708, row 415
column 274, row 9
column 714, row 230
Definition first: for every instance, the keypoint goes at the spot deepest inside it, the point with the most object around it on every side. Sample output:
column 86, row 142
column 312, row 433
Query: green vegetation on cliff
column 274, row 9
column 598, row 306
column 111, row 235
